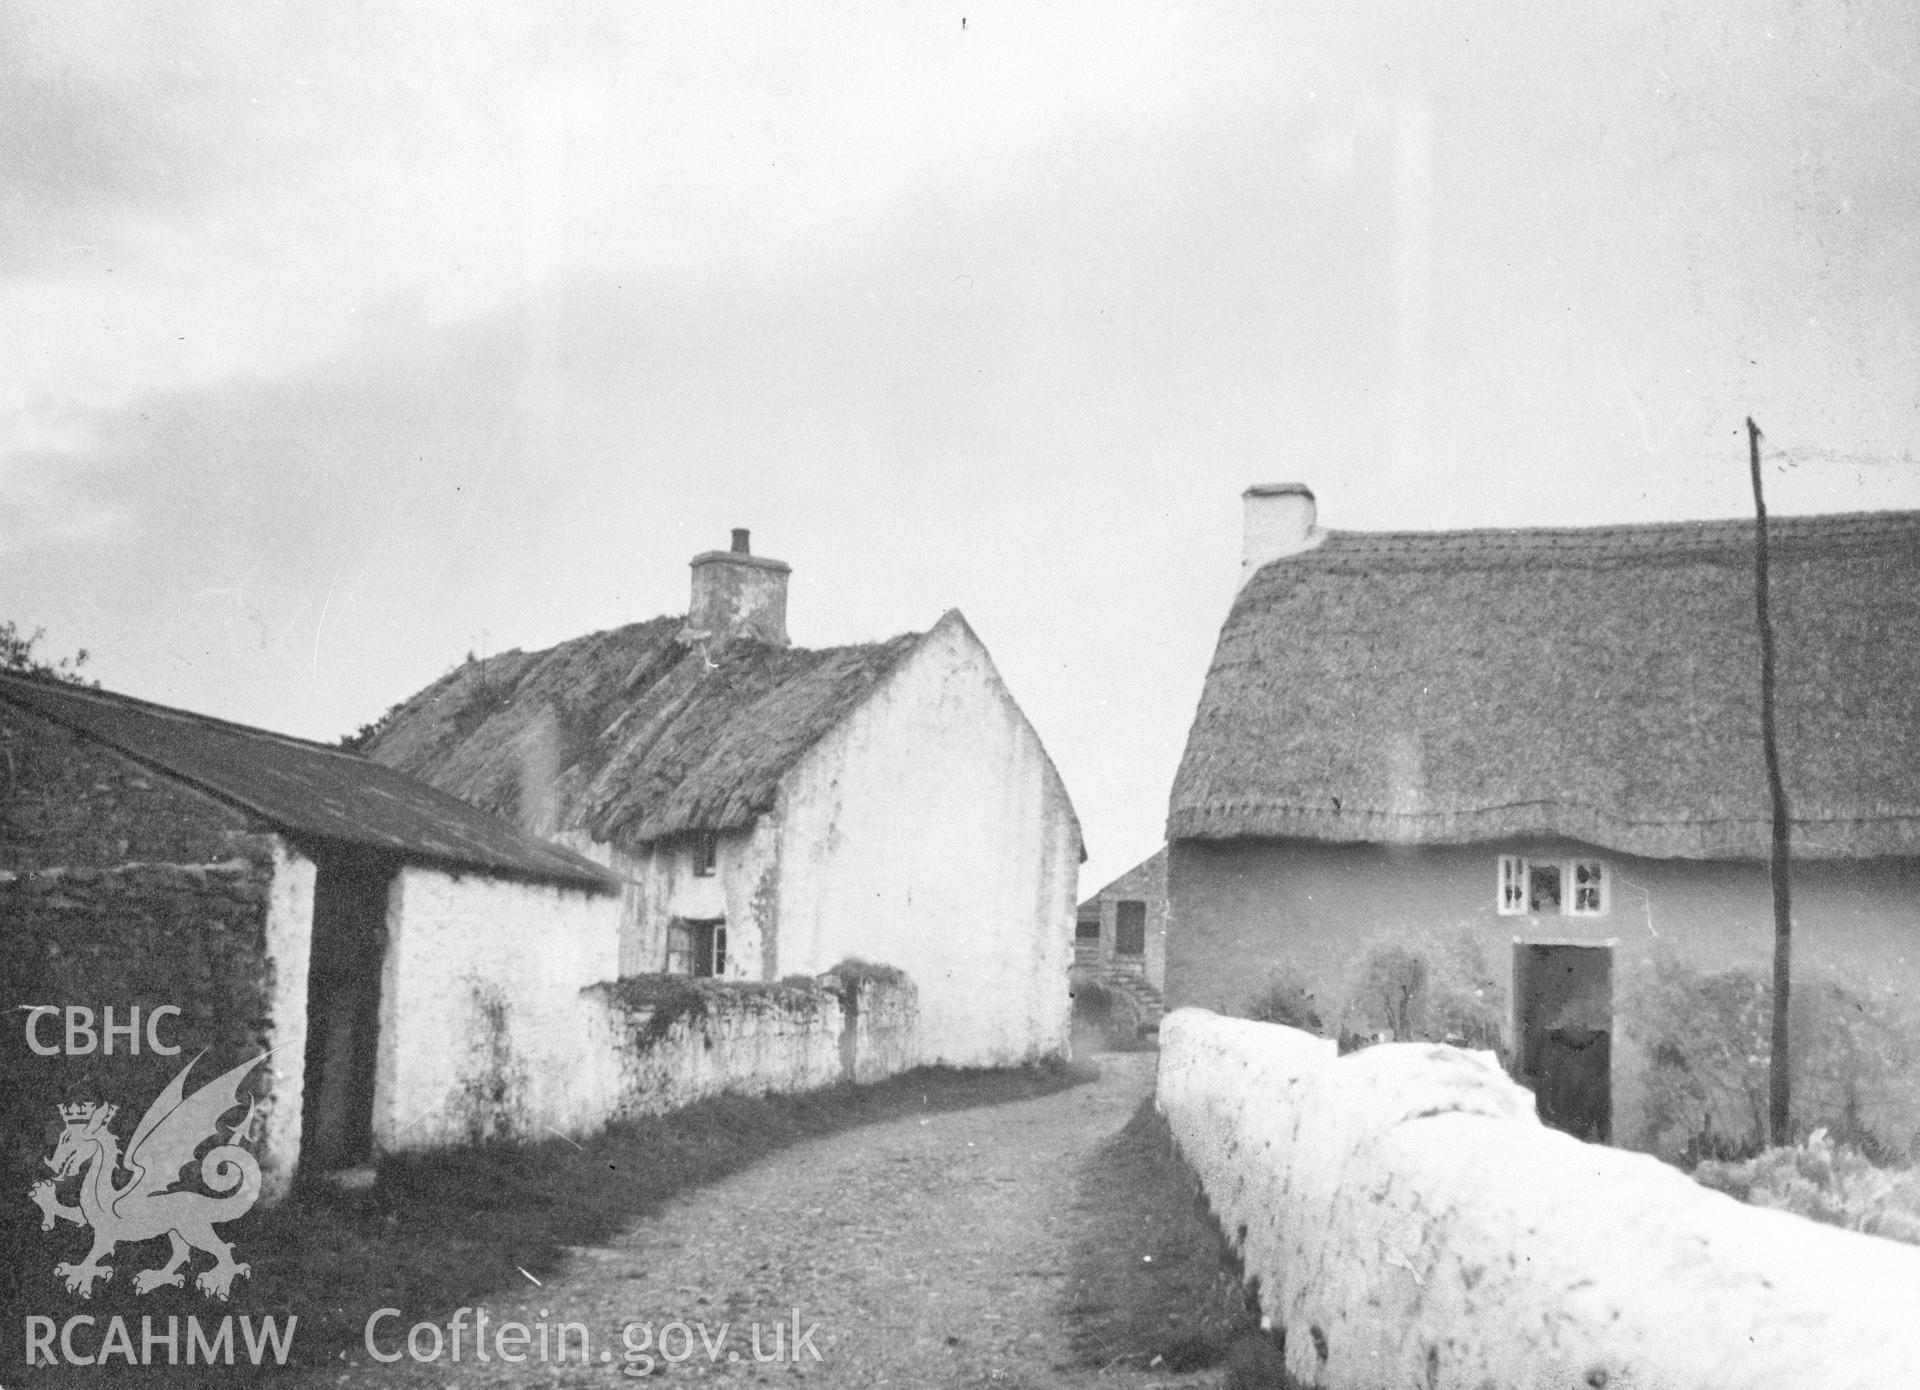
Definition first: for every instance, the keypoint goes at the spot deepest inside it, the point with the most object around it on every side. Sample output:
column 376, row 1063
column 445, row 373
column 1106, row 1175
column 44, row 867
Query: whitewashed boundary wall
column 481, row 1024
column 657, row 1045
column 1410, row 1222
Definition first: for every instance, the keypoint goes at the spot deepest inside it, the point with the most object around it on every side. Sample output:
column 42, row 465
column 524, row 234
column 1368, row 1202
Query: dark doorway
column 343, row 1007
column 1129, row 928
column 1563, row 1034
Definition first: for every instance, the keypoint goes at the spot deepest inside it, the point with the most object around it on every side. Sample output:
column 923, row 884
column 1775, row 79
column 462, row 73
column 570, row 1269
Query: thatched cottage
column 1543, row 747
column 773, row 810
column 262, row 892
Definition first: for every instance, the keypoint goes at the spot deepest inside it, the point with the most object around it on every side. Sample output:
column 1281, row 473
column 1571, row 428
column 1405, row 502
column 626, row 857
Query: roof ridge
column 1725, row 538
column 536, row 655
column 1651, row 531
column 115, row 697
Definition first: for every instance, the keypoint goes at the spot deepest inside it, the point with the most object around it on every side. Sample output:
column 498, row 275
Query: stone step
column 1148, row 1001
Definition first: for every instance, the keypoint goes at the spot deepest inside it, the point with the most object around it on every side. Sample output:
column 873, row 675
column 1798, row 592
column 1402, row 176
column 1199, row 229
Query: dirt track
column 929, row 1251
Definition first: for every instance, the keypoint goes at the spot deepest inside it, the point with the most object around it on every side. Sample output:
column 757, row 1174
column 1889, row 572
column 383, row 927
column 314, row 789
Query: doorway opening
column 1563, row 1033
column 350, row 893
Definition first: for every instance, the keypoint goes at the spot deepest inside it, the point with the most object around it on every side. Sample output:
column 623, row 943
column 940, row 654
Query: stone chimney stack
column 1279, row 522
column 737, row 594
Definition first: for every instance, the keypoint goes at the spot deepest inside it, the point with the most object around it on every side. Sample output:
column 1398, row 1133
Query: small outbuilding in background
column 1120, row 946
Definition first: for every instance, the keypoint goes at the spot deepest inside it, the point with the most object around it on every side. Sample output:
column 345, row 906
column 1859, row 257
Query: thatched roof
column 310, row 790
column 1599, row 684
column 630, row 735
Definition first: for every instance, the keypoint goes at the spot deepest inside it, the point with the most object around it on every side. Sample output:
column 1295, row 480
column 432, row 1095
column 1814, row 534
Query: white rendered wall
column 660, row 885
column 930, row 832
column 483, row 1032
column 289, row 948
column 1412, row 1223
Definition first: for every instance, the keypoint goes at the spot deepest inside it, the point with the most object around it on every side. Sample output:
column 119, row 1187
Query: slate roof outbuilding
column 303, row 788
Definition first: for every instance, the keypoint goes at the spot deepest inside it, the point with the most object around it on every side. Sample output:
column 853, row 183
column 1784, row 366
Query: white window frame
column 697, row 947
column 1511, row 892
column 1601, row 878
column 1510, row 887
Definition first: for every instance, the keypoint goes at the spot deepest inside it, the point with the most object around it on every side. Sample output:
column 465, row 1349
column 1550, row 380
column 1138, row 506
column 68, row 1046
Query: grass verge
column 1154, row 1284
column 446, row 1229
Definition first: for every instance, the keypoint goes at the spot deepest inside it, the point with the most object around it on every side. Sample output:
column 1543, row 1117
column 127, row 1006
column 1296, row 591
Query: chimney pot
column 1279, row 522
column 740, row 546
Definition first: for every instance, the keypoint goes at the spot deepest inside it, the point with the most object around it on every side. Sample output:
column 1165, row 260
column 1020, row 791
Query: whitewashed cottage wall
column 930, row 832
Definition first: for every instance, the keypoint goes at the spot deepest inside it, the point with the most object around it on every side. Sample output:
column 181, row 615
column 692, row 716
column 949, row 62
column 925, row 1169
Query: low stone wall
column 884, row 1037
column 667, row 1041
column 1410, row 1222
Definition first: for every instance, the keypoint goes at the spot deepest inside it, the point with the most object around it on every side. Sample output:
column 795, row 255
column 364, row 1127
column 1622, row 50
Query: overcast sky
column 338, row 341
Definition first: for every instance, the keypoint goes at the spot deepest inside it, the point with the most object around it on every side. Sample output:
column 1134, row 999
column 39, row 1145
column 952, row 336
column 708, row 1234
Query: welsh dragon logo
column 150, row 1203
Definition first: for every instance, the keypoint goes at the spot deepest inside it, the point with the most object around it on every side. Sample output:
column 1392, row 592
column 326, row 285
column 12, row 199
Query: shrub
column 1284, row 1000
column 1708, row 1041
column 19, row 656
column 1419, row 986
column 856, row 971
column 1825, row 1181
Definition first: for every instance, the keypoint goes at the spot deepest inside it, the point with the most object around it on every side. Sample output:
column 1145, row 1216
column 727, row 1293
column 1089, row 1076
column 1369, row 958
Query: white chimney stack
column 737, row 594
column 1279, row 522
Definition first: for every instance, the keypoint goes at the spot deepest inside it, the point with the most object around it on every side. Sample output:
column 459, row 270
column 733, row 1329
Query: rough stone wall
column 666, row 1043
column 482, row 1031
column 138, row 936
column 66, row 800
column 121, row 886
column 1411, row 1223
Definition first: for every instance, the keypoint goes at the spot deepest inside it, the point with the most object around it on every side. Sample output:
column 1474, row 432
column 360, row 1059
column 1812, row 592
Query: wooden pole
column 1779, row 1083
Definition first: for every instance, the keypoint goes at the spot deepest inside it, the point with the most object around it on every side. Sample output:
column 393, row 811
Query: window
column 1513, row 885
column 1589, row 888
column 706, row 853
column 1087, row 929
column 697, row 948
column 1551, row 887
column 1129, row 929
column 1543, row 887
